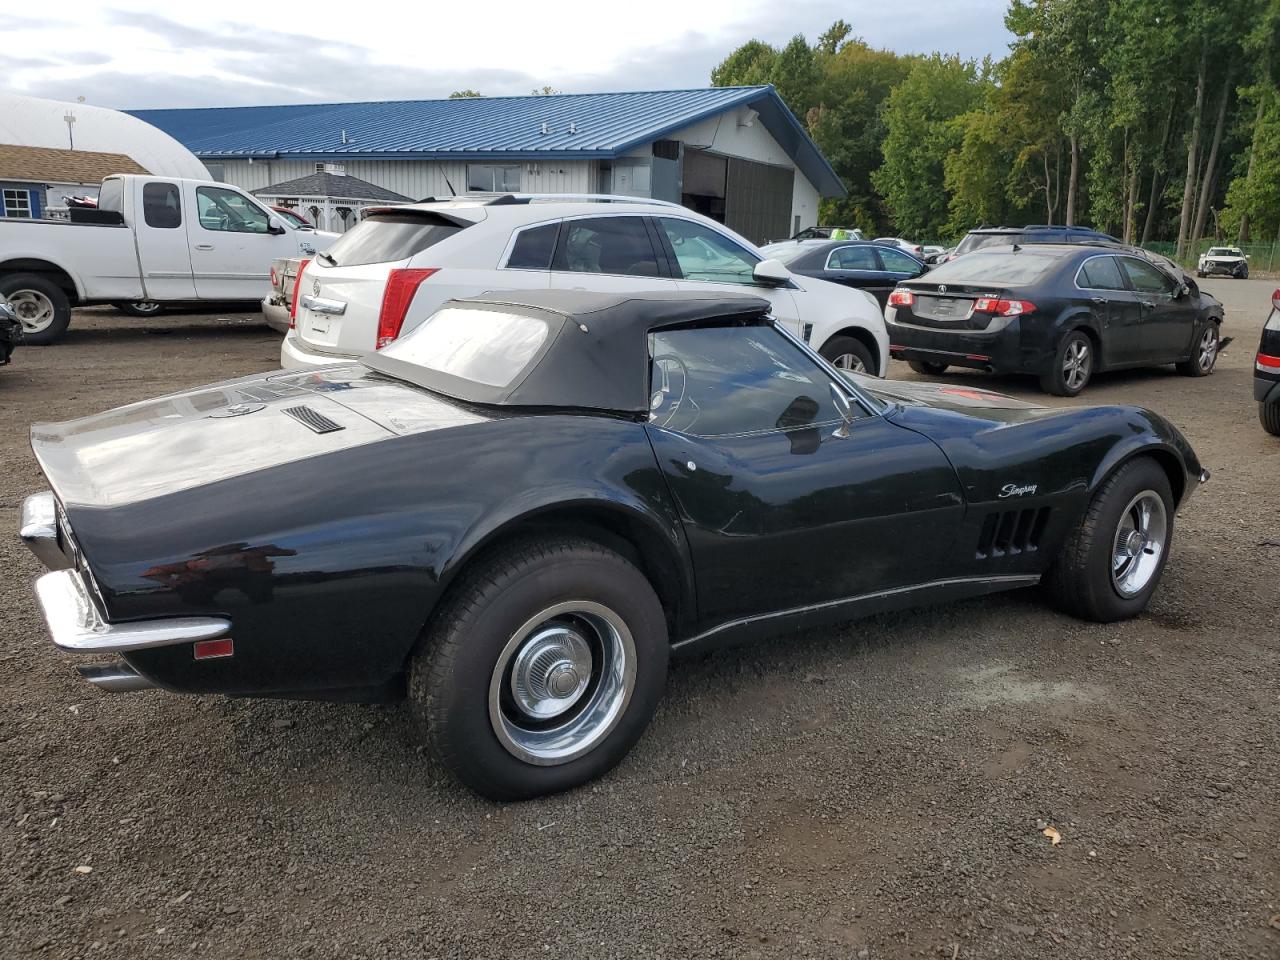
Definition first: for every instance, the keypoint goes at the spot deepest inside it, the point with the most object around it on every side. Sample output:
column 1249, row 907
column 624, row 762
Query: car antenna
column 452, row 192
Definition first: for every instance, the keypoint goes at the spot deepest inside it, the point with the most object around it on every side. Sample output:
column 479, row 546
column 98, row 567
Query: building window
column 493, row 178
column 17, row 203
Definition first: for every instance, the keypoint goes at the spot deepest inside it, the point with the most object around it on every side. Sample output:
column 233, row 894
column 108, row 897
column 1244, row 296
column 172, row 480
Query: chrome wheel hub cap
column 1139, row 544
column 1208, row 349
column 1075, row 364
column 562, row 682
column 33, row 309
column 851, row 362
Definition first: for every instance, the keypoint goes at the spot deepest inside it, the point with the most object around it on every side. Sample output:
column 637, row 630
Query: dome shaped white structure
column 33, row 122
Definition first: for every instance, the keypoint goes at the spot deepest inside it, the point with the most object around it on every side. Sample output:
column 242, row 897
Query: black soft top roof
column 596, row 355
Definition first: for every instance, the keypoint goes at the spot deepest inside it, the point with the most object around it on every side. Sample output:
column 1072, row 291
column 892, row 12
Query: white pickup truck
column 150, row 242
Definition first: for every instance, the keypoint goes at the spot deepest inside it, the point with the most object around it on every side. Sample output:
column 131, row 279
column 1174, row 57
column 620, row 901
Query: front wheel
column 1072, row 366
column 543, row 668
column 847, row 353
column 1112, row 563
column 139, row 308
column 1204, row 356
column 41, row 306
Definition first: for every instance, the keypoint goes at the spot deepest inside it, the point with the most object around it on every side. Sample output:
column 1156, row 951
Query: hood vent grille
column 312, row 419
column 1012, row 532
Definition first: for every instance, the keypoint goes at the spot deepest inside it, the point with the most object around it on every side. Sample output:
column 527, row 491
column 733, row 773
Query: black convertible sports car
column 515, row 514
column 1059, row 311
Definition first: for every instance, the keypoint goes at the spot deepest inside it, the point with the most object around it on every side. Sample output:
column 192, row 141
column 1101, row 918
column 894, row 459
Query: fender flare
column 42, row 258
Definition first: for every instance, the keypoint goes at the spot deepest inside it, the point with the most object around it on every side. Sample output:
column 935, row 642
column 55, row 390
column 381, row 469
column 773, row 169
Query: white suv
column 393, row 270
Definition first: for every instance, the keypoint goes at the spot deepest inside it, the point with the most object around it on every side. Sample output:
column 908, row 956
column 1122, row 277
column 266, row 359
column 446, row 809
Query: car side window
column 614, row 245
column 161, row 206
column 726, row 381
column 533, row 248
column 853, row 258
column 1100, row 273
column 1146, row 278
column 229, row 212
column 898, row 262
column 704, row 254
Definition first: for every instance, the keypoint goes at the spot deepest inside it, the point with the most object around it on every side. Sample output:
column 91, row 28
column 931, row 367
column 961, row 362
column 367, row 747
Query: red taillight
column 297, row 289
column 213, row 649
column 401, row 286
column 1275, row 299
column 901, row 298
column 1267, row 363
column 1003, row 308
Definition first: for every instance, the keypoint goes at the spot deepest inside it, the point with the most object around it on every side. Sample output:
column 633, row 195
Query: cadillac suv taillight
column 297, row 288
column 401, row 287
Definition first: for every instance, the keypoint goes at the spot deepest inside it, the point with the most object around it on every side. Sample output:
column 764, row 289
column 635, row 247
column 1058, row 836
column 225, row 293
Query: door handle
column 204, row 246
column 1098, row 301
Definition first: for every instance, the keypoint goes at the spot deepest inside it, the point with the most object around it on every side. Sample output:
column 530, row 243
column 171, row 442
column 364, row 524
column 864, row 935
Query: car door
column 1169, row 319
column 231, row 245
column 897, row 266
column 608, row 254
column 784, row 505
column 705, row 259
column 1119, row 312
column 858, row 266
column 164, row 254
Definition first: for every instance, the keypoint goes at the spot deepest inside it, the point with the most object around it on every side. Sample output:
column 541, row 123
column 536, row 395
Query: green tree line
column 1149, row 119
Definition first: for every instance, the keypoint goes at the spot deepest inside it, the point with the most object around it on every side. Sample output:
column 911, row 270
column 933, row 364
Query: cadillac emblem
column 315, row 288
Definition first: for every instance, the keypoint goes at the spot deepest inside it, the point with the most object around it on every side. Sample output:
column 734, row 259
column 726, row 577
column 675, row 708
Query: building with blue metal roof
column 736, row 154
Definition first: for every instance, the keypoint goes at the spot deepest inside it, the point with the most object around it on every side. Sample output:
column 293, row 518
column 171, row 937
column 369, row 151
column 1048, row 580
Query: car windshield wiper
column 328, row 257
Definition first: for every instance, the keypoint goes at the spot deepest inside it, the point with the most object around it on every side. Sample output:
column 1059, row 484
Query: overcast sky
column 232, row 52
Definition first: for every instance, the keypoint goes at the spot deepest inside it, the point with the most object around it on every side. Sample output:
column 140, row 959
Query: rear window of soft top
column 388, row 237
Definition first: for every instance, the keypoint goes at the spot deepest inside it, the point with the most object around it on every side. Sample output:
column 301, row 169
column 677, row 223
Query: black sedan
column 874, row 267
column 514, row 515
column 1059, row 311
column 1266, row 371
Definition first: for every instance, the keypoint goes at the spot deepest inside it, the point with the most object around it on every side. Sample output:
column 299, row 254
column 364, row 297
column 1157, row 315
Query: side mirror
column 771, row 273
column 275, row 227
column 1182, row 291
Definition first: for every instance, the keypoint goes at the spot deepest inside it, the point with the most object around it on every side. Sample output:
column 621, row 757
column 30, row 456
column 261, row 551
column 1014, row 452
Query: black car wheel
column 140, row 308
column 1269, row 414
column 1205, row 354
column 1112, row 563
column 846, row 353
column 543, row 668
column 927, row 367
column 1072, row 366
column 41, row 306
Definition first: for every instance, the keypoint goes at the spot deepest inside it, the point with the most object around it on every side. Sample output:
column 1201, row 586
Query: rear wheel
column 846, row 353
column 1112, row 563
column 41, row 305
column 543, row 668
column 1269, row 414
column 1204, row 356
column 139, row 308
column 927, row 367
column 1072, row 366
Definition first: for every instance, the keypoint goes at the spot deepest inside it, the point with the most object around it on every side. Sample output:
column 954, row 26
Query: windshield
column 1005, row 268
column 1223, row 252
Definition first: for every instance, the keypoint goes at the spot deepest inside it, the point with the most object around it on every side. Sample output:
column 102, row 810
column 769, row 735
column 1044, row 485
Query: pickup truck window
column 161, row 206
column 229, row 211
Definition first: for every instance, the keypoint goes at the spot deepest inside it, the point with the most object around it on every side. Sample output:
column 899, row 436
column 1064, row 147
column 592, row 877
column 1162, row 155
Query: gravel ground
column 877, row 790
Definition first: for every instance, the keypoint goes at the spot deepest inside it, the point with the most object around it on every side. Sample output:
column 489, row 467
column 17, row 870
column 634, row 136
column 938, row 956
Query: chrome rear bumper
column 38, row 528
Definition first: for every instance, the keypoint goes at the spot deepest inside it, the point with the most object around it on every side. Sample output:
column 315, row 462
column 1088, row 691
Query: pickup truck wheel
column 41, row 305
column 139, row 308
column 1112, row 563
column 1204, row 355
column 846, row 353
column 542, row 669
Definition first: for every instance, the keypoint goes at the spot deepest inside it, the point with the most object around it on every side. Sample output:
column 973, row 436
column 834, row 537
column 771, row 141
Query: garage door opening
column 750, row 197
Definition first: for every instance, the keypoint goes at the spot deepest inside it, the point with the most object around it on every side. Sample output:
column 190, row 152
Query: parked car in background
column 555, row 492
column 148, row 242
column 931, row 250
column 294, row 217
column 10, row 332
column 1034, row 233
column 874, row 267
column 1223, row 262
column 394, row 269
column 1266, row 371
column 1062, row 312
column 829, row 233
column 277, row 305
column 915, row 249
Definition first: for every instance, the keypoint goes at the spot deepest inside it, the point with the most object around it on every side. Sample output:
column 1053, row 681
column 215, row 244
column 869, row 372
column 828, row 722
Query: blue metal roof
column 579, row 126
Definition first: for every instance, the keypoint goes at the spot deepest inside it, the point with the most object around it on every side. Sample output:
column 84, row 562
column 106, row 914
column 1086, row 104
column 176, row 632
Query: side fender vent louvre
column 1010, row 532
column 312, row 419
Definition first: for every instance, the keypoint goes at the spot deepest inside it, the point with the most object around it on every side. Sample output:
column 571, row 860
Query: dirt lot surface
column 873, row 791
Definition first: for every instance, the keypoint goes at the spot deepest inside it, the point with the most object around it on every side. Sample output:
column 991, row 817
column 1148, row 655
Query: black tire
column 843, row 352
column 1269, row 415
column 1055, row 380
column 140, row 308
column 927, row 367
column 452, row 677
column 1081, row 581
column 1200, row 274
column 31, row 287
column 1204, row 354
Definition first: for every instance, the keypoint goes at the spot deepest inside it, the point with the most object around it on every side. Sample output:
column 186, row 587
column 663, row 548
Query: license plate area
column 943, row 308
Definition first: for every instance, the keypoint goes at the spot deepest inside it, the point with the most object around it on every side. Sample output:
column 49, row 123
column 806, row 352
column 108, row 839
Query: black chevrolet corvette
column 514, row 515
